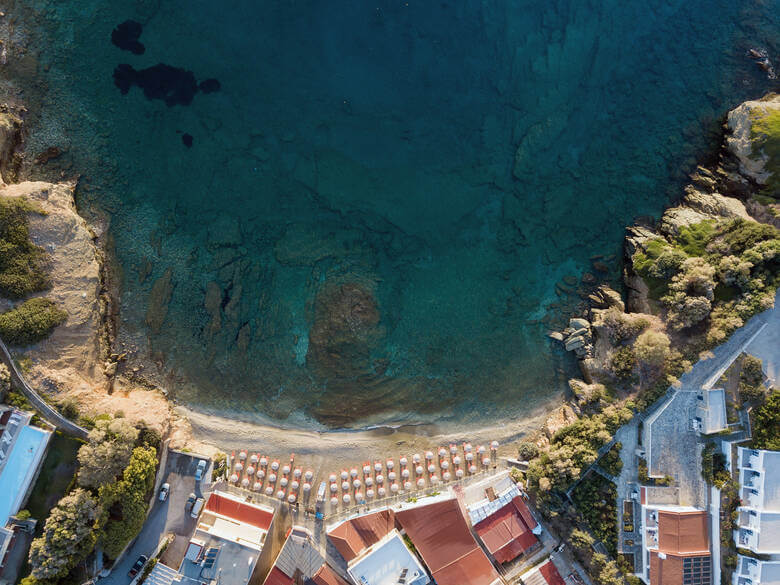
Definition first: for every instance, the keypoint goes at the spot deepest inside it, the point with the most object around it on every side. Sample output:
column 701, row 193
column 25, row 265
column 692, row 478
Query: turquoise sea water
column 381, row 197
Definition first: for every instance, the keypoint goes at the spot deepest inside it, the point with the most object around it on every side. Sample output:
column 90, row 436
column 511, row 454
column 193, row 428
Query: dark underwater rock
column 126, row 35
column 209, row 85
column 173, row 85
column 187, row 140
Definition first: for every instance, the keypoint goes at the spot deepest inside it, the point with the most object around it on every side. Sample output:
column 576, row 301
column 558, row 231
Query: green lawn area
column 57, row 472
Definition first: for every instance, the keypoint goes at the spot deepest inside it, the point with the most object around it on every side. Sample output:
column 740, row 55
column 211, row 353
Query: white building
column 387, row 562
column 711, row 411
column 759, row 515
column 751, row 571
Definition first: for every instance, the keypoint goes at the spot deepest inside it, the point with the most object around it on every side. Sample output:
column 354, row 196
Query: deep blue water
column 381, row 197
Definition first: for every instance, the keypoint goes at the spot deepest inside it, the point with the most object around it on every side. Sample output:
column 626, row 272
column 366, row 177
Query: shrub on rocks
column 30, row 322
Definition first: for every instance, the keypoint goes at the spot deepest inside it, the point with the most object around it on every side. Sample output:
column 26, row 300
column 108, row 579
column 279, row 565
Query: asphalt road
column 165, row 517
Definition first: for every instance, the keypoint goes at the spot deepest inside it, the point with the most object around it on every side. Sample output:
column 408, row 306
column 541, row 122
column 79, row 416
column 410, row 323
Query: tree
column 527, row 450
column 5, row 381
column 581, row 539
column 107, row 452
column 766, row 423
column 651, row 349
column 124, row 503
column 68, row 536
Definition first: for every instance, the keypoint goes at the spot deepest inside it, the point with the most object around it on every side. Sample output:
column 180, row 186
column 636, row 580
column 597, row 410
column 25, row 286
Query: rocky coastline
column 739, row 186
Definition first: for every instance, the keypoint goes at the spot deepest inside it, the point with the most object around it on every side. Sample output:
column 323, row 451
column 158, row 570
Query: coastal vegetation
column 31, row 321
column 22, row 270
column 765, row 133
column 595, row 498
column 106, row 505
column 766, row 423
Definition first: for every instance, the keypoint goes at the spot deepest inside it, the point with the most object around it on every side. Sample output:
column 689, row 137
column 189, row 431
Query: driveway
column 165, row 517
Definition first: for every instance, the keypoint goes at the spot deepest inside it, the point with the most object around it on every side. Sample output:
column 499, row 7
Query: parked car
column 197, row 507
column 139, row 564
column 190, row 502
column 165, row 489
column 201, row 468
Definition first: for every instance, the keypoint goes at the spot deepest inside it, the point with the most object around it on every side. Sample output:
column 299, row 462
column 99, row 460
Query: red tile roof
column 551, row 574
column 277, row 577
column 440, row 534
column 327, row 576
column 353, row 536
column 507, row 532
column 683, row 532
column 240, row 511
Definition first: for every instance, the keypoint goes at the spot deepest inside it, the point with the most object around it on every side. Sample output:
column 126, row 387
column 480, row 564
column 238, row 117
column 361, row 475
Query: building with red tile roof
column 442, row 537
column 508, row 532
column 232, row 507
column 356, row 534
column 327, row 576
column 675, row 546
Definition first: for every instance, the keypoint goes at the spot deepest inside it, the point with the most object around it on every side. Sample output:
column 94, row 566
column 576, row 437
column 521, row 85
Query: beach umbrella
column 334, row 488
column 356, row 483
column 419, row 470
column 456, row 460
column 407, row 485
column 445, row 464
column 447, row 476
column 370, row 493
column 469, row 456
column 242, row 455
column 332, row 477
column 260, row 473
column 381, row 491
column 481, row 449
column 377, row 466
column 486, row 461
column 346, row 498
column 238, row 467
column 431, row 468
column 429, row 455
column 344, row 474
column 366, row 469
column 291, row 498
column 345, row 485
column 391, row 476
column 380, row 478
column 473, row 469
column 394, row 487
column 442, row 452
column 369, row 481
column 467, row 447
column 294, row 485
column 250, row 470
column 233, row 478
column 307, row 487
column 353, row 473
column 280, row 494
column 308, row 475
column 297, row 473
column 434, row 479
column 263, row 461
column 416, row 458
column 275, row 466
column 283, row 482
column 253, row 459
column 390, row 464
column 453, row 448
column 403, row 461
column 245, row 482
column 257, row 486
column 286, row 469
column 405, row 473
column 269, row 490
column 272, row 478
column 359, row 497
column 334, row 502
column 459, row 473
column 494, row 445
column 420, row 482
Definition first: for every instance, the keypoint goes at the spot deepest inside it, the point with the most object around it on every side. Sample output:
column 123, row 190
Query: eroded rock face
column 697, row 206
column 345, row 329
column 742, row 143
column 10, row 137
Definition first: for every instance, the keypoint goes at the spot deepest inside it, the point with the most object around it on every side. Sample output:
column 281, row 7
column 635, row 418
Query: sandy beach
column 332, row 450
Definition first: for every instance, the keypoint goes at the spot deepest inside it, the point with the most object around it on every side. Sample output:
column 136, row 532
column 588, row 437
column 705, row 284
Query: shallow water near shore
column 379, row 200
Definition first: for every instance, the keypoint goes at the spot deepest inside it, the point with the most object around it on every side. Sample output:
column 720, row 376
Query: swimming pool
column 20, row 468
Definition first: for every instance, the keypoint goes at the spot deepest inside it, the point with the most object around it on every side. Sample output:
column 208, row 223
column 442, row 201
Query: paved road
column 165, row 517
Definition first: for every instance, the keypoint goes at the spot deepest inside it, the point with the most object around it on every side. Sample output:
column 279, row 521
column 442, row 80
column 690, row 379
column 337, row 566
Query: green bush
column 21, row 262
column 693, row 239
column 611, row 462
column 623, row 362
column 766, row 423
column 30, row 322
column 527, row 451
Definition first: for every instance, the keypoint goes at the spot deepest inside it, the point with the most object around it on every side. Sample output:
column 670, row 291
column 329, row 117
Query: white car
column 165, row 489
column 201, row 468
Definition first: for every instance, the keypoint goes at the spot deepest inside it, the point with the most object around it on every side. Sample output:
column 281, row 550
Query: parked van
column 196, row 508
